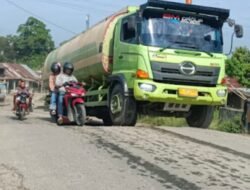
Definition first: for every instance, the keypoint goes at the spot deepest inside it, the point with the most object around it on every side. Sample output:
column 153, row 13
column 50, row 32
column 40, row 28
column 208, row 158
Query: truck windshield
column 171, row 31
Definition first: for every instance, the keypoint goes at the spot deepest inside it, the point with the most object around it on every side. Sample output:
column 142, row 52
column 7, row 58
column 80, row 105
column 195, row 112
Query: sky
column 67, row 18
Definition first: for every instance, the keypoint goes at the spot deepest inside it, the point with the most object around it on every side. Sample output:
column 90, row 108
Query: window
column 128, row 33
column 2, row 72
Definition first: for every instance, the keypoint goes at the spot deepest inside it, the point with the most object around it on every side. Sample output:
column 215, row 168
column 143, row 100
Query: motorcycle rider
column 21, row 89
column 63, row 78
column 55, row 71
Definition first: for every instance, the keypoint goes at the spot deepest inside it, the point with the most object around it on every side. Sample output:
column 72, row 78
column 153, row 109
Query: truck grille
column 171, row 73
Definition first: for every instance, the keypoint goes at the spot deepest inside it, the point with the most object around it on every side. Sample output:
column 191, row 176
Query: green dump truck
column 161, row 58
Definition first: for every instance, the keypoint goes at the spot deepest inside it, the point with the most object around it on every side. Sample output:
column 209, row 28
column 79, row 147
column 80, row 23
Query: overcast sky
column 66, row 18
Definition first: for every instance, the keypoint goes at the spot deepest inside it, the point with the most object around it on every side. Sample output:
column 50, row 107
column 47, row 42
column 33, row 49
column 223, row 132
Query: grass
column 163, row 121
column 232, row 125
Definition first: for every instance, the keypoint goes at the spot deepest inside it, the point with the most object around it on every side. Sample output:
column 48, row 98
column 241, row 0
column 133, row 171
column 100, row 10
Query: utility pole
column 87, row 21
column 189, row 2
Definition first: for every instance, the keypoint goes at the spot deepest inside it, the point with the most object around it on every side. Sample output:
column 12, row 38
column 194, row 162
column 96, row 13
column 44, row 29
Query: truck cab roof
column 222, row 14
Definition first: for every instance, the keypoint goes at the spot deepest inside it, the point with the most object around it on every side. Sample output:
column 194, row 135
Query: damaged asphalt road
column 37, row 154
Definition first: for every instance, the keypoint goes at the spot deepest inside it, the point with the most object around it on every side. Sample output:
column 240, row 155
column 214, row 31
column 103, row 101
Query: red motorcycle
column 73, row 104
column 22, row 105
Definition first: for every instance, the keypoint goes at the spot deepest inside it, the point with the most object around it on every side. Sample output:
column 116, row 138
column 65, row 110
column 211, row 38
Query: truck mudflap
column 147, row 90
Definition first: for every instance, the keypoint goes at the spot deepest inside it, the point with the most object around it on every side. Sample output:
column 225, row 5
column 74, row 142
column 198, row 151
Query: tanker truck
column 161, row 58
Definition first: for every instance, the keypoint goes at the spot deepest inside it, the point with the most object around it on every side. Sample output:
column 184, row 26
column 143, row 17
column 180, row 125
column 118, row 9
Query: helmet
column 55, row 68
column 68, row 68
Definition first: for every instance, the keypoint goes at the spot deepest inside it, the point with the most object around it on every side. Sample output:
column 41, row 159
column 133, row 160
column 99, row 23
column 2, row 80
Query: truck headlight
column 221, row 93
column 147, row 87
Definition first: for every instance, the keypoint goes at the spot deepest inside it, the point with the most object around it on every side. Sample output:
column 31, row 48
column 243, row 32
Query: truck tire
column 123, row 109
column 200, row 116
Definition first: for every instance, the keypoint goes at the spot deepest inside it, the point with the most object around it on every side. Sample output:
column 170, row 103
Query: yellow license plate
column 185, row 92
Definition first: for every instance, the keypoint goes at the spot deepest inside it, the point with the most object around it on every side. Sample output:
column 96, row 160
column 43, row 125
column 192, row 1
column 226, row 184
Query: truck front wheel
column 122, row 108
column 200, row 116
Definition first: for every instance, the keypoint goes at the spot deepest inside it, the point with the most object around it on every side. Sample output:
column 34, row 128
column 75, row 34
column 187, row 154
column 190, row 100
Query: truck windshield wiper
column 194, row 47
column 207, row 52
column 186, row 45
column 162, row 49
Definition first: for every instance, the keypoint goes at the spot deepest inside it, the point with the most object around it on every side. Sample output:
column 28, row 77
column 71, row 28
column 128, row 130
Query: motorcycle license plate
column 187, row 92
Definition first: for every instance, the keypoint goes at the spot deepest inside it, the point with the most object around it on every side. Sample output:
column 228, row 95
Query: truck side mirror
column 238, row 29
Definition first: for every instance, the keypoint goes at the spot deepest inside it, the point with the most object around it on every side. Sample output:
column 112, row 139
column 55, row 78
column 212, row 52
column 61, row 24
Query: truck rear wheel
column 200, row 116
column 123, row 111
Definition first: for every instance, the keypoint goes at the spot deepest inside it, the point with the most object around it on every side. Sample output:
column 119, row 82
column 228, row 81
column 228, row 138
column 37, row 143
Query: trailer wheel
column 123, row 111
column 200, row 116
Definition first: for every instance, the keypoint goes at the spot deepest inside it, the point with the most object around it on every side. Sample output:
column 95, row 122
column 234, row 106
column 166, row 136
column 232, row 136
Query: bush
column 232, row 125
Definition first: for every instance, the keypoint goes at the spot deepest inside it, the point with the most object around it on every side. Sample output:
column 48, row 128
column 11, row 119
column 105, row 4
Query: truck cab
column 171, row 56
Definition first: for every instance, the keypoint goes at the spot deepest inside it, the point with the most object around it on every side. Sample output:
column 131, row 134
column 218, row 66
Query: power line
column 63, row 4
column 89, row 4
column 46, row 20
column 77, row 6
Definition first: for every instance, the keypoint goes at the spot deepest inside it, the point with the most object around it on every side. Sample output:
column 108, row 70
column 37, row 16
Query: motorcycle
column 22, row 106
column 73, row 104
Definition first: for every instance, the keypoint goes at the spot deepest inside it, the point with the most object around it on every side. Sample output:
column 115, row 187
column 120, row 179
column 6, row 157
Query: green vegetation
column 232, row 125
column 239, row 65
column 162, row 121
column 30, row 46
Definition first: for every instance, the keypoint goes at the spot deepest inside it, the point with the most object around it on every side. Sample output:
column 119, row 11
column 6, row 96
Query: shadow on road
column 89, row 123
column 42, row 108
column 47, row 119
column 16, row 118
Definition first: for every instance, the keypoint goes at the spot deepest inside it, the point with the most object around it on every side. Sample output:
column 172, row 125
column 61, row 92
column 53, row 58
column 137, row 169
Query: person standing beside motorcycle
column 55, row 71
column 63, row 78
column 21, row 89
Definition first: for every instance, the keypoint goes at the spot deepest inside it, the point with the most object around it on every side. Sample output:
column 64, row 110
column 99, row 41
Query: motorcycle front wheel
column 21, row 114
column 80, row 114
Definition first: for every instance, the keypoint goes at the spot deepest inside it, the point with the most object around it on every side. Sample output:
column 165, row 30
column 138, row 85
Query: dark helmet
column 68, row 68
column 55, row 68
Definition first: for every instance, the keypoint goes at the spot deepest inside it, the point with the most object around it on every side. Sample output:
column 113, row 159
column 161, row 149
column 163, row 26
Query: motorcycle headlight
column 73, row 95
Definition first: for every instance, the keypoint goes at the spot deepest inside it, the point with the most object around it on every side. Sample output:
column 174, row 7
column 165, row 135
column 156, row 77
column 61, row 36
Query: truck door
column 126, row 45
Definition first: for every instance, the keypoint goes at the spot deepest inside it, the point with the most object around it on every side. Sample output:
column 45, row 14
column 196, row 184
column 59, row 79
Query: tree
column 239, row 65
column 7, row 52
column 33, row 42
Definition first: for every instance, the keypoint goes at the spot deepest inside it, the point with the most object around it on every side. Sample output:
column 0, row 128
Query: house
column 11, row 73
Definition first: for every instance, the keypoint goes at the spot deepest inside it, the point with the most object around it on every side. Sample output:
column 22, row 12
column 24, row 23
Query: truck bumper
column 170, row 93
